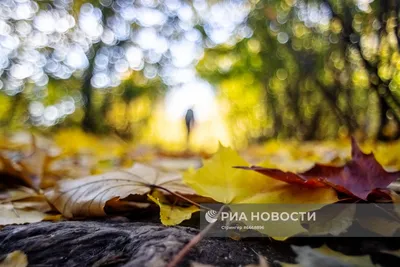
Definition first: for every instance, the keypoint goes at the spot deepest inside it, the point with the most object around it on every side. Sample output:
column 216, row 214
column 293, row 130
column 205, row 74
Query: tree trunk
column 90, row 122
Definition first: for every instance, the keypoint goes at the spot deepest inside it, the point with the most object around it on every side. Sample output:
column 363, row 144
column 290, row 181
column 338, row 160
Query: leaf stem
column 185, row 250
column 179, row 196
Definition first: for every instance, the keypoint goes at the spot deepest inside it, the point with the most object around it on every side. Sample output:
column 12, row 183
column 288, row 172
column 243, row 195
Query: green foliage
column 305, row 69
column 326, row 68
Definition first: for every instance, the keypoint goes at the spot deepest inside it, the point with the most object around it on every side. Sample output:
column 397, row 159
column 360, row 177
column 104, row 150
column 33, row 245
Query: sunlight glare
column 198, row 95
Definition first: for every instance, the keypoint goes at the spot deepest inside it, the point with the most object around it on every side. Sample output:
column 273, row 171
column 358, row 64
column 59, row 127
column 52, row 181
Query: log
column 120, row 242
column 116, row 243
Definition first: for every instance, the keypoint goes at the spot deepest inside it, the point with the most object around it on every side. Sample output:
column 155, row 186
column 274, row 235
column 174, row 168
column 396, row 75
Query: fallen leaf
column 288, row 177
column 384, row 226
column 218, row 180
column 170, row 214
column 17, row 193
column 38, row 203
column 28, row 167
column 396, row 201
column 15, row 259
column 395, row 186
column 116, row 205
column 332, row 219
column 25, row 198
column 11, row 215
column 324, row 256
column 358, row 177
column 87, row 196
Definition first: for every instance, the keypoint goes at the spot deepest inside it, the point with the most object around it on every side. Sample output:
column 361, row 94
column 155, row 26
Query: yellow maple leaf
column 218, row 180
column 172, row 215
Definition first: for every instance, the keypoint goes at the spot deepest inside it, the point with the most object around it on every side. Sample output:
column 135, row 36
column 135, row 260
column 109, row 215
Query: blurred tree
column 326, row 68
column 307, row 69
column 87, row 54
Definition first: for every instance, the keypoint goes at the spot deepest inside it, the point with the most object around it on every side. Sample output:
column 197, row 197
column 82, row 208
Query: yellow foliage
column 122, row 114
column 242, row 109
column 5, row 106
column 218, row 180
column 169, row 214
column 76, row 141
column 170, row 134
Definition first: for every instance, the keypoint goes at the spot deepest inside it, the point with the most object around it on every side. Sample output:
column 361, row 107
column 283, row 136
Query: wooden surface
column 120, row 242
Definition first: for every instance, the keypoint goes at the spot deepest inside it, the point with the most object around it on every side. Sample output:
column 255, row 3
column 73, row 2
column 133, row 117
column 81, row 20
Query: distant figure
column 189, row 120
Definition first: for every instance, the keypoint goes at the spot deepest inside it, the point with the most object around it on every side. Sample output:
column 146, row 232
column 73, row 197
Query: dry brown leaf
column 15, row 259
column 38, row 203
column 25, row 198
column 87, row 196
column 14, row 194
column 23, row 205
column 12, row 215
column 29, row 167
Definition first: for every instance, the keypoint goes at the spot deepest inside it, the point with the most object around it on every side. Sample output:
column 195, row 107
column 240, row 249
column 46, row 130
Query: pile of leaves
column 57, row 180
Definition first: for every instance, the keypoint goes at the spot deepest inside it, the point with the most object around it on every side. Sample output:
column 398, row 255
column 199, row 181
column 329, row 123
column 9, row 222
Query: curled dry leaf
column 15, row 194
column 29, row 168
column 24, row 198
column 88, row 196
column 23, row 205
column 10, row 214
column 358, row 177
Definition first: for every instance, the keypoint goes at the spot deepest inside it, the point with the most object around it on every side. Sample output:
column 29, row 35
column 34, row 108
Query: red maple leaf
column 359, row 177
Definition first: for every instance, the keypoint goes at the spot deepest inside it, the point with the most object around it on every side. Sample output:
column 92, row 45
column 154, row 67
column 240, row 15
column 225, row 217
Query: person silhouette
column 189, row 121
